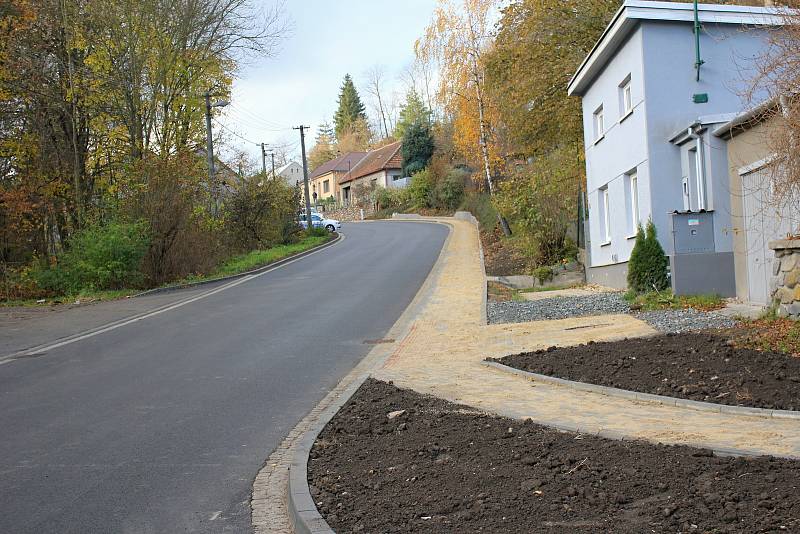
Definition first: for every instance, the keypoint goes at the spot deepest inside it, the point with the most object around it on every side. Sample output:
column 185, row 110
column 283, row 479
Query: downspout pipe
column 694, row 133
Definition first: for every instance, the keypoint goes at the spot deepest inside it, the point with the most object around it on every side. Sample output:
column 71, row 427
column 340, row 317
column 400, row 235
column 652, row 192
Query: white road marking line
column 114, row 325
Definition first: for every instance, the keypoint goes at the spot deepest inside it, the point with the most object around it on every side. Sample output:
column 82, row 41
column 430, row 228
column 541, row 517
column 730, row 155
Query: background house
column 324, row 180
column 382, row 167
column 757, row 217
column 649, row 151
column 291, row 173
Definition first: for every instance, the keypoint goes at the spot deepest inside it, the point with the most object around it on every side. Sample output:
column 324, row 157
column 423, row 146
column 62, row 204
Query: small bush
column 544, row 274
column 420, row 189
column 480, row 205
column 100, row 257
column 449, row 191
column 317, row 231
column 648, row 265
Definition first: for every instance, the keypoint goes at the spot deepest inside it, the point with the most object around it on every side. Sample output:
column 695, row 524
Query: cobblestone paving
column 442, row 356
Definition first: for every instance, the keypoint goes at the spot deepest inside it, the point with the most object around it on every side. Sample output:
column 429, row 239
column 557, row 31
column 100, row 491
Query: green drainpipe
column 697, row 61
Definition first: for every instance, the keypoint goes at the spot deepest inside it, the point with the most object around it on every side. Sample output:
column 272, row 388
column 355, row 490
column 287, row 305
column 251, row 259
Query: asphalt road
column 162, row 425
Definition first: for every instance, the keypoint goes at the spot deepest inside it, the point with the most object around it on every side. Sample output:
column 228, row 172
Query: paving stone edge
column 647, row 397
column 167, row 289
column 303, row 513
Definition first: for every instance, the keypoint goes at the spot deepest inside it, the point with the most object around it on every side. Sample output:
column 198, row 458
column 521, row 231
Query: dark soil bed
column 701, row 367
column 439, row 467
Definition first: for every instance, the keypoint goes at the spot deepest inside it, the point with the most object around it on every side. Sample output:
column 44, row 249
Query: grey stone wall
column 785, row 282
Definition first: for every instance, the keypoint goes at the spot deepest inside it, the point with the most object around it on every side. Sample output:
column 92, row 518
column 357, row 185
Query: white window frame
column 598, row 119
column 606, row 206
column 633, row 184
column 326, row 186
column 626, row 97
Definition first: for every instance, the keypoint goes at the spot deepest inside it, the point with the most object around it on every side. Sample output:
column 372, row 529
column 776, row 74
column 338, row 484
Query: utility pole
column 264, row 159
column 305, row 173
column 210, row 153
column 212, row 181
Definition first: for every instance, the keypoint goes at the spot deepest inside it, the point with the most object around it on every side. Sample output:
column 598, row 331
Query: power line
column 234, row 133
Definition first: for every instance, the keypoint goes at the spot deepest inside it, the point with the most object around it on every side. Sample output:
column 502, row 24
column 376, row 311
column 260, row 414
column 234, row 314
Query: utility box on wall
column 696, row 267
column 692, row 233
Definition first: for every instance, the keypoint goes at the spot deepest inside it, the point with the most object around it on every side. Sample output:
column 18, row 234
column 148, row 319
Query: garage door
column 764, row 221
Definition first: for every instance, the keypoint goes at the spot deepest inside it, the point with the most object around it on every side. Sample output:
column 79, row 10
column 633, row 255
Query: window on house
column 625, row 97
column 599, row 123
column 605, row 216
column 633, row 201
column 326, row 186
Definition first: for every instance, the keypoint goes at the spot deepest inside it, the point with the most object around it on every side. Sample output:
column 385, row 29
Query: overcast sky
column 301, row 83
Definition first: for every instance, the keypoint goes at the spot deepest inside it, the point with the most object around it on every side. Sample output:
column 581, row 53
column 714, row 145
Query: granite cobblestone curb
column 647, row 397
column 278, row 263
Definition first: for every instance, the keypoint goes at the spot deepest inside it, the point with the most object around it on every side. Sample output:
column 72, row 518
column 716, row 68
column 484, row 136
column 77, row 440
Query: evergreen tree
column 648, row 265
column 417, row 148
column 350, row 108
column 414, row 110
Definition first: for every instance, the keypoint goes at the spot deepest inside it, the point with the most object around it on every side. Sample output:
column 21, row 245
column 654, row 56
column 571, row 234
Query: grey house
column 648, row 114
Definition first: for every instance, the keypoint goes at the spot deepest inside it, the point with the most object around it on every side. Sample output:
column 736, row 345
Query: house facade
column 324, row 180
column 291, row 173
column 648, row 117
column 758, row 216
column 382, row 167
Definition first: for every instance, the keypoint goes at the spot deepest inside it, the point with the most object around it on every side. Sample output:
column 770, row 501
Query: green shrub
column 100, row 257
column 420, row 189
column 449, row 191
column 480, row 205
column 648, row 265
column 317, row 231
column 544, row 274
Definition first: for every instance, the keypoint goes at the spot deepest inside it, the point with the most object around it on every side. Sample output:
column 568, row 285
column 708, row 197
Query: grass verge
column 235, row 265
column 770, row 334
column 665, row 300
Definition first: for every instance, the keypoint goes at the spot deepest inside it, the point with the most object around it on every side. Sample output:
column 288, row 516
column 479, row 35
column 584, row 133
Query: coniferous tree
column 350, row 108
column 414, row 110
column 648, row 267
column 417, row 148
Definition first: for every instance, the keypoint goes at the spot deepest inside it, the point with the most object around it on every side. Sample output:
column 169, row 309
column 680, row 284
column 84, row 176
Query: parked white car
column 332, row 225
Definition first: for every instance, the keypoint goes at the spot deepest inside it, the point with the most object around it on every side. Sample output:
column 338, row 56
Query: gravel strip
column 667, row 321
column 556, row 308
column 688, row 320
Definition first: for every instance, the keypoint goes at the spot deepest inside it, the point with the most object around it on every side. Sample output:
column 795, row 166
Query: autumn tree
column 554, row 36
column 457, row 39
column 350, row 108
column 324, row 148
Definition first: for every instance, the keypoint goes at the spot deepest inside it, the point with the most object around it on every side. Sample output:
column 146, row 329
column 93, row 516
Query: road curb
column 646, row 397
column 278, row 263
column 303, row 514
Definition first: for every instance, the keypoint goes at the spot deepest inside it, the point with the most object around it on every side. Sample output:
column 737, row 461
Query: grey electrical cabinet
column 693, row 232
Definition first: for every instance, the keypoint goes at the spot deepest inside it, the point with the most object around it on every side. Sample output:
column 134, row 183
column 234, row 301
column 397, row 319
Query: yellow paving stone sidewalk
column 442, row 354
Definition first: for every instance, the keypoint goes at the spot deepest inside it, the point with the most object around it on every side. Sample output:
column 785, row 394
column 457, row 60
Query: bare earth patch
column 438, row 467
column 702, row 367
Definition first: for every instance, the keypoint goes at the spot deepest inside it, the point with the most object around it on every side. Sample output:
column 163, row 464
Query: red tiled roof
column 387, row 157
column 343, row 163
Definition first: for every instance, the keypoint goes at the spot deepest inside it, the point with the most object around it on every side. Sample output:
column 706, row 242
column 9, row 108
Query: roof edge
column 634, row 11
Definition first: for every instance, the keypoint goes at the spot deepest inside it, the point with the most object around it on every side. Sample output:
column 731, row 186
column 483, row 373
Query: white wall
column 622, row 149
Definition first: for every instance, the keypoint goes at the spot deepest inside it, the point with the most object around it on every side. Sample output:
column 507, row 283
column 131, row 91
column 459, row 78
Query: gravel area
column 666, row 321
column 688, row 320
column 556, row 308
